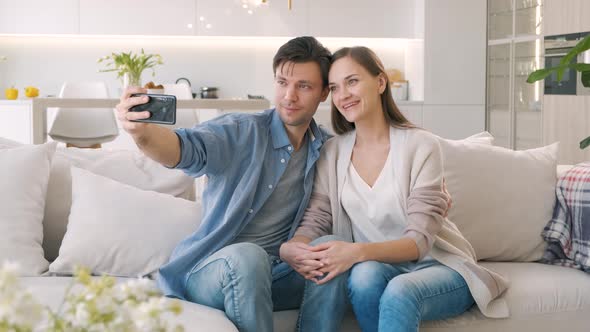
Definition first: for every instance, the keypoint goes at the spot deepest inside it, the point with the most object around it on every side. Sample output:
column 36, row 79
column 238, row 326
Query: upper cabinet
column 251, row 18
column 146, row 17
column 39, row 16
column 563, row 17
column 322, row 18
column 377, row 18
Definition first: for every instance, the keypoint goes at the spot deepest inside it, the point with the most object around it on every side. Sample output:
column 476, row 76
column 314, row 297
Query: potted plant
column 584, row 68
column 129, row 66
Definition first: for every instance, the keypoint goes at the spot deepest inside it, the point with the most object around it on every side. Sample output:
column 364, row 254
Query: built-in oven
column 556, row 47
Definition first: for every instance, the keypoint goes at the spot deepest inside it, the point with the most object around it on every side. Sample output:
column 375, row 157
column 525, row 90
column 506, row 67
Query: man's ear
column 325, row 93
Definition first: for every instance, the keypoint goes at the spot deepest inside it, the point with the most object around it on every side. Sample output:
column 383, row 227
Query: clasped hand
column 323, row 262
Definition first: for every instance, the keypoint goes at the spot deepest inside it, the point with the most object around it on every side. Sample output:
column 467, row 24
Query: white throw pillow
column 501, row 199
column 23, row 185
column 129, row 167
column 120, row 230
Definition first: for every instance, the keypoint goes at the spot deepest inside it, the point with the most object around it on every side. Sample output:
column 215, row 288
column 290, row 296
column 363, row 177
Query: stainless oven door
column 567, row 85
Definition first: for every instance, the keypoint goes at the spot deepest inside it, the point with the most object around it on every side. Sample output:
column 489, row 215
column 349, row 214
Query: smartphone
column 161, row 107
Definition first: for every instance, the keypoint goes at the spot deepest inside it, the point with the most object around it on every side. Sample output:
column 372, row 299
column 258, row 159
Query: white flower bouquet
column 90, row 304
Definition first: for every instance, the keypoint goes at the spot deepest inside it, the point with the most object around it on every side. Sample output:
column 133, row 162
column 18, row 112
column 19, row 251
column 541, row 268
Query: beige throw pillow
column 501, row 199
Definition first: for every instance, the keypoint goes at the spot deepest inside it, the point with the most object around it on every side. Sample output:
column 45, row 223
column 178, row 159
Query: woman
column 380, row 183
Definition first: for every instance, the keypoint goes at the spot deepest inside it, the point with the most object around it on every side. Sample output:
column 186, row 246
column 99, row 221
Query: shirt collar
column 279, row 133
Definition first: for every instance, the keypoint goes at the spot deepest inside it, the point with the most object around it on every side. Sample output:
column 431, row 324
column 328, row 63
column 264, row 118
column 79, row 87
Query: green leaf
column 586, row 79
column 581, row 67
column 542, row 73
column 585, row 142
column 539, row 75
column 580, row 47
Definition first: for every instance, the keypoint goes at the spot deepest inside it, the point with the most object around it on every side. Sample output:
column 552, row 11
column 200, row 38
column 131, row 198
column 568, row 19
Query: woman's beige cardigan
column 418, row 169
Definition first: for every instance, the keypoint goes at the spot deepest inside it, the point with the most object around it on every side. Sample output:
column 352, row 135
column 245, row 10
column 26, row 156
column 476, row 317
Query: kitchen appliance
column 556, row 47
column 208, row 92
column 184, row 80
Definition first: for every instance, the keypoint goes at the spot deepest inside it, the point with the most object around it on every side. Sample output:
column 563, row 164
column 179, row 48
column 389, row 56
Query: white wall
column 236, row 65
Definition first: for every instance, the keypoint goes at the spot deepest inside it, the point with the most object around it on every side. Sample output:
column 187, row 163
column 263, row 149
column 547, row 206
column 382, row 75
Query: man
column 260, row 170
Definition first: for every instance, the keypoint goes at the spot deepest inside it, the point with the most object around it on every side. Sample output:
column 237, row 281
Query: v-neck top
column 376, row 212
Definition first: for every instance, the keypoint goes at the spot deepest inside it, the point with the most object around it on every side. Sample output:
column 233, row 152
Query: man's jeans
column 397, row 297
column 245, row 282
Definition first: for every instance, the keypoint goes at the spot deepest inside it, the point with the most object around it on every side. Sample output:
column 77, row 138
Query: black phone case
column 161, row 107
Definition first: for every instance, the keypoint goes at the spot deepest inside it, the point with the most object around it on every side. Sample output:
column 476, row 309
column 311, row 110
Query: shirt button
column 250, row 211
column 289, row 148
column 282, row 161
column 270, row 186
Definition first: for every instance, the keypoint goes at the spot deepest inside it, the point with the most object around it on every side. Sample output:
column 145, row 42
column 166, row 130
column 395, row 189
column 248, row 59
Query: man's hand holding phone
column 136, row 108
column 135, row 129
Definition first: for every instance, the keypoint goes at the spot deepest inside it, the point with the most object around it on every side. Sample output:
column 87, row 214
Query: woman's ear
column 382, row 80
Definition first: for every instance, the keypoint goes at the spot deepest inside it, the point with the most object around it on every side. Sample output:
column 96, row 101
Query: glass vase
column 131, row 79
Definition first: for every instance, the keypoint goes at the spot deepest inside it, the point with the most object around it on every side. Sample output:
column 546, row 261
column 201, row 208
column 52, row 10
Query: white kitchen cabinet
column 454, row 67
column 412, row 112
column 375, row 18
column 235, row 18
column 146, row 17
column 39, row 17
column 15, row 120
column 454, row 121
column 566, row 119
column 455, row 52
column 563, row 17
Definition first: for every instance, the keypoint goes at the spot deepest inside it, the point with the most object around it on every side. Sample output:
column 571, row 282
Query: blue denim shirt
column 242, row 154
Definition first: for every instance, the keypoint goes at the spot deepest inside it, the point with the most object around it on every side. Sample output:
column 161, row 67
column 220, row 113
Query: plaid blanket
column 568, row 231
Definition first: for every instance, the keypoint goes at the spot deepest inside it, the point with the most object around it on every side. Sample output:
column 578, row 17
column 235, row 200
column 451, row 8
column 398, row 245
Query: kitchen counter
column 39, row 108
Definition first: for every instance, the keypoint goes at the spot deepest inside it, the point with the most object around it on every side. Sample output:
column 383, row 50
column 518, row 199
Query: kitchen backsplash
column 237, row 66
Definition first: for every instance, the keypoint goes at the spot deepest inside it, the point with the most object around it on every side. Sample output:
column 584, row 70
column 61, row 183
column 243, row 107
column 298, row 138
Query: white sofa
column 541, row 297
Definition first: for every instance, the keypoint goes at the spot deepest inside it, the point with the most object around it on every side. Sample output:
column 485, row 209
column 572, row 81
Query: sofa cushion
column 502, row 198
column 50, row 291
column 541, row 298
column 120, row 230
column 24, row 174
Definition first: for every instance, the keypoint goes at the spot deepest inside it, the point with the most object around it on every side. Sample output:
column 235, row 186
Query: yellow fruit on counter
column 11, row 93
column 31, row 91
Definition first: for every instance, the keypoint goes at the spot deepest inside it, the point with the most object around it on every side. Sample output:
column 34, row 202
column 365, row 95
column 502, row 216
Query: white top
column 375, row 212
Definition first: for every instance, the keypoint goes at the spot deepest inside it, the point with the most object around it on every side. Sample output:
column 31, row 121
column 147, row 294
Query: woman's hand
column 336, row 256
column 308, row 268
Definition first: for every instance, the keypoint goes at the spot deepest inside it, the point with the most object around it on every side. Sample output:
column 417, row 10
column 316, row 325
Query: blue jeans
column 248, row 284
column 397, row 297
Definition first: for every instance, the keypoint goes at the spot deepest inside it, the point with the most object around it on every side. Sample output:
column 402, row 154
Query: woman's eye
column 352, row 81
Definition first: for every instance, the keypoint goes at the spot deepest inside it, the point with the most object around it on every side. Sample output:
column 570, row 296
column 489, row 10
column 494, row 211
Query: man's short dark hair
column 304, row 49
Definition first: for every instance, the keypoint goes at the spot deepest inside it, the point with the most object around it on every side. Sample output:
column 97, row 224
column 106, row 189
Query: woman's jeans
column 248, row 284
column 397, row 297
